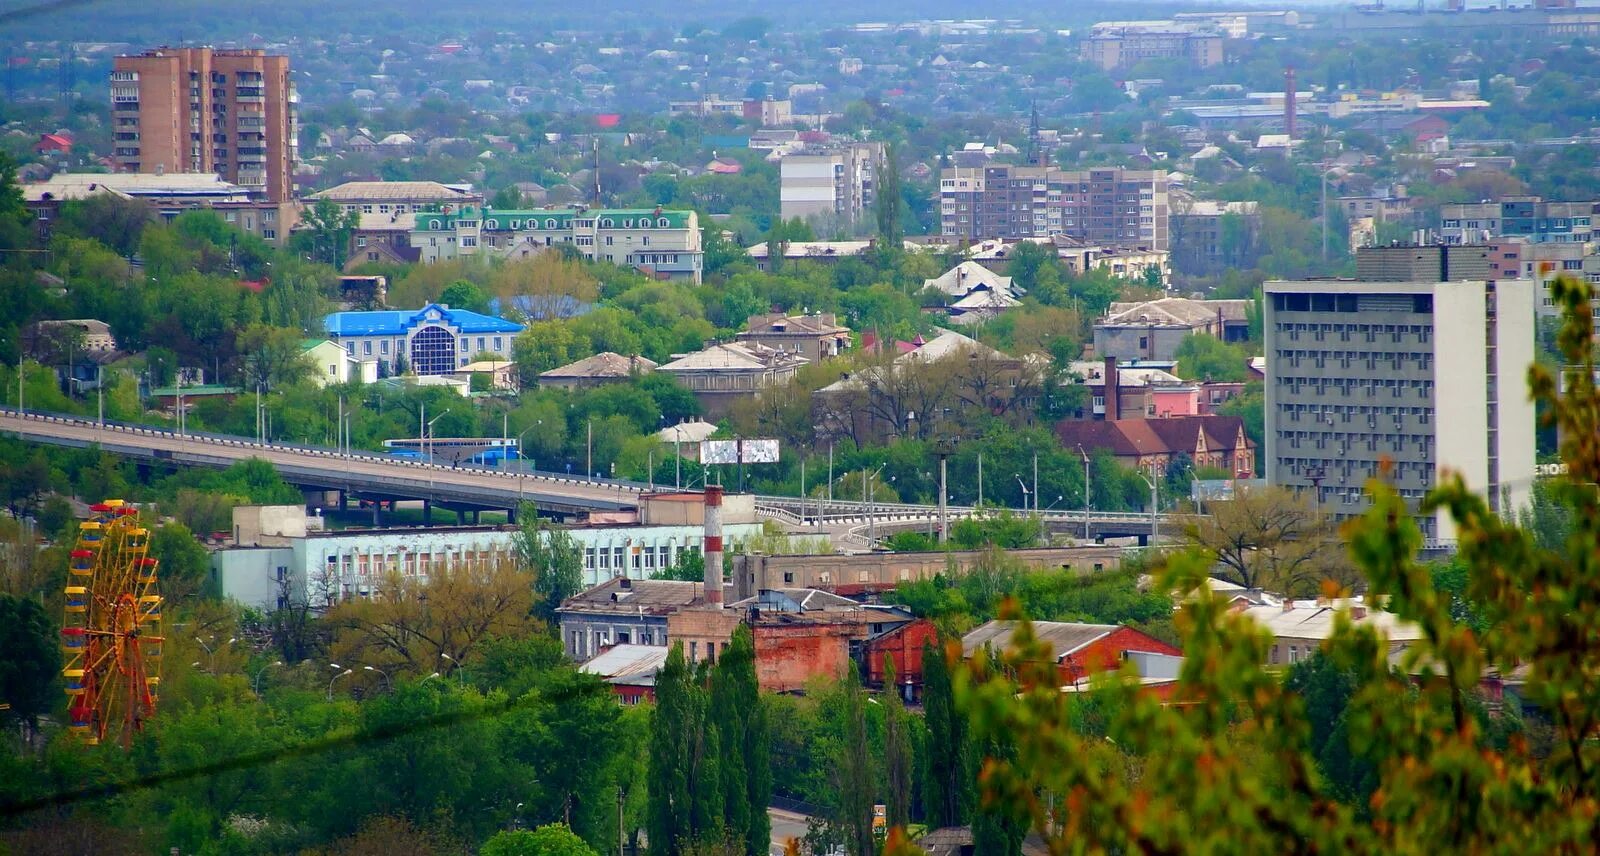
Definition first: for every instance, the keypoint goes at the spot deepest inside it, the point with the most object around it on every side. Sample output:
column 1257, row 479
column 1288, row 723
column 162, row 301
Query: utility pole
column 1035, row 482
column 1155, row 507
column 802, row 490
column 1086, row 493
column 588, row 449
column 980, row 479
column 872, row 528
column 943, row 448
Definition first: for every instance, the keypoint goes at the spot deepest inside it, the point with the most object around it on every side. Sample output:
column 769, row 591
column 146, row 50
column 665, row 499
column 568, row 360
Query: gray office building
column 1428, row 376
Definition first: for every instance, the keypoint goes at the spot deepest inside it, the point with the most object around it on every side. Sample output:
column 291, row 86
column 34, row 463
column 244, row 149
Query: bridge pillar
column 427, row 512
column 377, row 513
column 511, row 515
column 461, row 517
column 344, row 501
column 475, row 513
column 1144, row 540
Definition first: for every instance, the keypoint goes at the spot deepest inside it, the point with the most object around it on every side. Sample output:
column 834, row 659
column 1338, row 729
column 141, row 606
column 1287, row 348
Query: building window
column 269, row 234
column 383, row 347
column 498, row 343
column 366, row 349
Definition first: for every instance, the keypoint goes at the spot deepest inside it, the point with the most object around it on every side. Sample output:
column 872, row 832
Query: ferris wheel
column 111, row 632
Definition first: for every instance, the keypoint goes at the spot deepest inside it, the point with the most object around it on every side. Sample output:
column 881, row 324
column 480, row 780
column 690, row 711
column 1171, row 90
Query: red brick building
column 1078, row 650
column 903, row 646
column 799, row 634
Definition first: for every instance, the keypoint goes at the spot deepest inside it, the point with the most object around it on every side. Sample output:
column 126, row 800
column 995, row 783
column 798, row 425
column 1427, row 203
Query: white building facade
column 665, row 244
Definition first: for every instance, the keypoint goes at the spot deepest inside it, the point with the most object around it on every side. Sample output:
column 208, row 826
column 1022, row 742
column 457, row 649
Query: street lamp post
column 263, row 671
column 428, row 434
column 1024, row 485
column 385, row 675
column 335, row 678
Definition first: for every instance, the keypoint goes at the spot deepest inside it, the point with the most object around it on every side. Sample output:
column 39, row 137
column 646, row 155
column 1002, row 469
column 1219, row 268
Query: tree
column 1204, row 357
column 948, row 781
column 853, row 770
column 553, row 558
column 409, row 624
column 32, row 660
column 888, row 201
column 465, row 294
column 740, row 715
column 898, row 758
column 272, row 357
column 328, row 230
column 544, row 287
column 184, row 563
column 110, row 218
column 1270, row 538
column 550, row 840
column 507, row 198
column 685, row 787
column 1228, row 766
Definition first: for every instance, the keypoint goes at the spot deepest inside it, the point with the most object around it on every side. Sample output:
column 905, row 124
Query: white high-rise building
column 1428, row 376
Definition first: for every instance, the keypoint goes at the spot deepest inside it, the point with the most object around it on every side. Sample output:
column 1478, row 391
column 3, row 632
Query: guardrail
column 131, row 430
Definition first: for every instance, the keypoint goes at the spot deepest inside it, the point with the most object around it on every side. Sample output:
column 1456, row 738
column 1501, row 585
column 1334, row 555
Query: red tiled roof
column 1140, row 437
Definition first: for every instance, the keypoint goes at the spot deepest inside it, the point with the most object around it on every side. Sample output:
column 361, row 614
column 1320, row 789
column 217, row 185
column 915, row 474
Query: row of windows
column 1396, row 443
column 645, row 558
column 485, row 343
column 411, row 563
column 1371, row 359
column 1344, row 385
column 1326, row 412
column 1395, row 332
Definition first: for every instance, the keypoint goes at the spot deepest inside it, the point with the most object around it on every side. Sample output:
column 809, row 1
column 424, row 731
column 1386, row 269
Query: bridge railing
column 232, row 441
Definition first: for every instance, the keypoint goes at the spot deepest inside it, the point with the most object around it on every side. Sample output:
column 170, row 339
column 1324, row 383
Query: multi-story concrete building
column 168, row 195
column 664, row 244
column 1527, row 217
column 815, row 336
column 1208, row 236
column 228, row 112
column 841, row 182
column 397, row 197
column 1426, row 376
column 1119, row 44
column 1112, row 207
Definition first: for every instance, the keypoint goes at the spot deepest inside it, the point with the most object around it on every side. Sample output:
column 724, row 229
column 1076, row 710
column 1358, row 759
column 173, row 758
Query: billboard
column 738, row 451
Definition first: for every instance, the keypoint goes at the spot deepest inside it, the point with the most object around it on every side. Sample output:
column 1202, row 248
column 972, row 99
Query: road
column 363, row 473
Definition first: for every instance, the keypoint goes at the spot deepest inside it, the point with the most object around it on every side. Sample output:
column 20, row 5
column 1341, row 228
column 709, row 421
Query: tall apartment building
column 1119, row 44
column 1528, row 217
column 1112, row 206
column 1425, row 375
column 199, row 110
column 841, row 181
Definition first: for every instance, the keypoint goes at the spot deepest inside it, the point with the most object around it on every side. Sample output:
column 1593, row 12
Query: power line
column 358, row 739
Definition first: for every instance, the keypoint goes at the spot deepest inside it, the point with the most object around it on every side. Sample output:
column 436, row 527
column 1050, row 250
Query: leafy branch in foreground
column 1225, row 764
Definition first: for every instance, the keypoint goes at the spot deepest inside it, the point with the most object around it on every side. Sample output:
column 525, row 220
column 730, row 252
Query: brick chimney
column 713, row 546
column 1113, row 391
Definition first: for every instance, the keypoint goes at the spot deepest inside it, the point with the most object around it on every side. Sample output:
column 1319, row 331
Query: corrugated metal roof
column 1063, row 637
column 398, row 322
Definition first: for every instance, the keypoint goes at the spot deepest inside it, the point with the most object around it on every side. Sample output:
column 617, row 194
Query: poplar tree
column 854, row 766
column 897, row 754
column 745, row 736
column 947, row 782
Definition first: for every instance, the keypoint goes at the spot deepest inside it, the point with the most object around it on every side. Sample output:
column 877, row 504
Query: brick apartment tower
column 199, row 110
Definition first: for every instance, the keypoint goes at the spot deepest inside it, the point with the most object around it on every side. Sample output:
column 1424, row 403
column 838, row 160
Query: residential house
column 825, row 252
column 1153, row 329
column 382, row 239
column 721, row 374
column 332, row 364
column 816, row 336
column 500, row 375
column 598, row 370
column 1300, row 627
column 857, row 575
column 1219, row 442
column 887, row 400
column 968, row 277
column 1078, row 651
column 1139, row 263
column 433, row 340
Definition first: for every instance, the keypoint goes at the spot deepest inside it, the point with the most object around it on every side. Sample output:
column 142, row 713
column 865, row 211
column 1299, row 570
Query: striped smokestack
column 713, row 547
